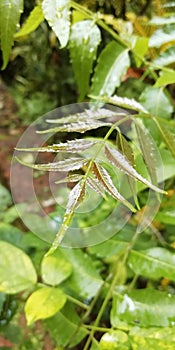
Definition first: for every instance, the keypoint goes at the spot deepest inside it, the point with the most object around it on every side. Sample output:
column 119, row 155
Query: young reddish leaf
column 105, row 180
column 73, row 146
column 119, row 160
column 63, row 165
column 77, row 127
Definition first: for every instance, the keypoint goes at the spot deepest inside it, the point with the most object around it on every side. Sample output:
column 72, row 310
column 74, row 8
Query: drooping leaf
column 16, row 269
column 84, row 40
column 167, row 136
column 44, row 303
column 111, row 67
column 157, row 102
column 63, row 326
column 165, row 78
column 55, row 268
column 106, row 182
column 144, row 308
column 10, row 12
column 87, row 114
column 84, row 281
column 57, row 14
column 35, row 18
column 117, row 159
column 162, row 36
column 152, row 338
column 166, row 57
column 72, row 146
column 124, row 102
column 153, row 263
column 64, row 165
column 80, row 127
column 147, row 149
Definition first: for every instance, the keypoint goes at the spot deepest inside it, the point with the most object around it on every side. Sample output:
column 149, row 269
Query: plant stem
column 77, row 302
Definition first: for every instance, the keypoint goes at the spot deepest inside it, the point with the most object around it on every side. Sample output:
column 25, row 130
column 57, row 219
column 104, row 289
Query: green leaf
column 87, row 114
column 167, row 136
column 166, row 57
column 57, row 14
column 117, row 159
column 111, row 67
column 160, row 21
column 6, row 199
column 153, row 263
column 144, row 308
column 106, row 182
column 140, row 48
column 152, row 338
column 165, row 78
column 10, row 12
column 166, row 216
column 44, row 303
column 35, row 18
column 80, row 127
column 114, row 340
column 84, row 40
column 55, row 268
column 124, row 102
column 16, row 269
column 157, row 102
column 10, row 234
column 72, row 146
column 64, row 165
column 2, row 300
column 84, row 281
column 63, row 326
column 162, row 36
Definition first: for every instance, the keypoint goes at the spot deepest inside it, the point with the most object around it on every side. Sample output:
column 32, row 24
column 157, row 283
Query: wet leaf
column 44, row 303
column 10, row 12
column 162, row 36
column 95, row 186
column 84, row 40
column 124, row 102
column 117, row 159
column 72, row 146
column 106, row 182
column 84, row 116
column 158, row 21
column 166, row 57
column 80, row 127
column 57, row 14
column 152, row 338
column 144, row 308
column 35, row 18
column 63, row 165
column 153, row 263
column 111, row 67
column 14, row 262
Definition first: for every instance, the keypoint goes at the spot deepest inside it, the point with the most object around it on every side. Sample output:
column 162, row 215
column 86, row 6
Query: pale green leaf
column 153, row 263
column 157, row 102
column 63, row 165
column 57, row 14
column 117, row 159
column 160, row 21
column 162, row 36
column 167, row 136
column 106, row 182
column 111, row 67
column 140, row 48
column 166, row 57
column 35, row 18
column 10, row 12
column 80, row 127
column 144, row 308
column 165, row 78
column 87, row 114
column 115, row 340
column 84, row 40
column 124, row 102
column 72, row 146
column 44, row 303
column 55, row 268
column 16, row 269
column 152, row 338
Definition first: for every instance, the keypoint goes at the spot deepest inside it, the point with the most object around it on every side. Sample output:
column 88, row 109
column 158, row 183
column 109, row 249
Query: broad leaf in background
column 115, row 339
column 167, row 136
column 165, row 78
column 153, row 263
column 6, row 199
column 162, row 36
column 10, row 12
column 144, row 308
column 166, row 57
column 55, row 268
column 16, row 269
column 111, row 67
column 57, row 14
column 157, row 102
column 84, row 40
column 63, row 326
column 84, row 281
column 44, row 303
column 35, row 18
column 152, row 338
